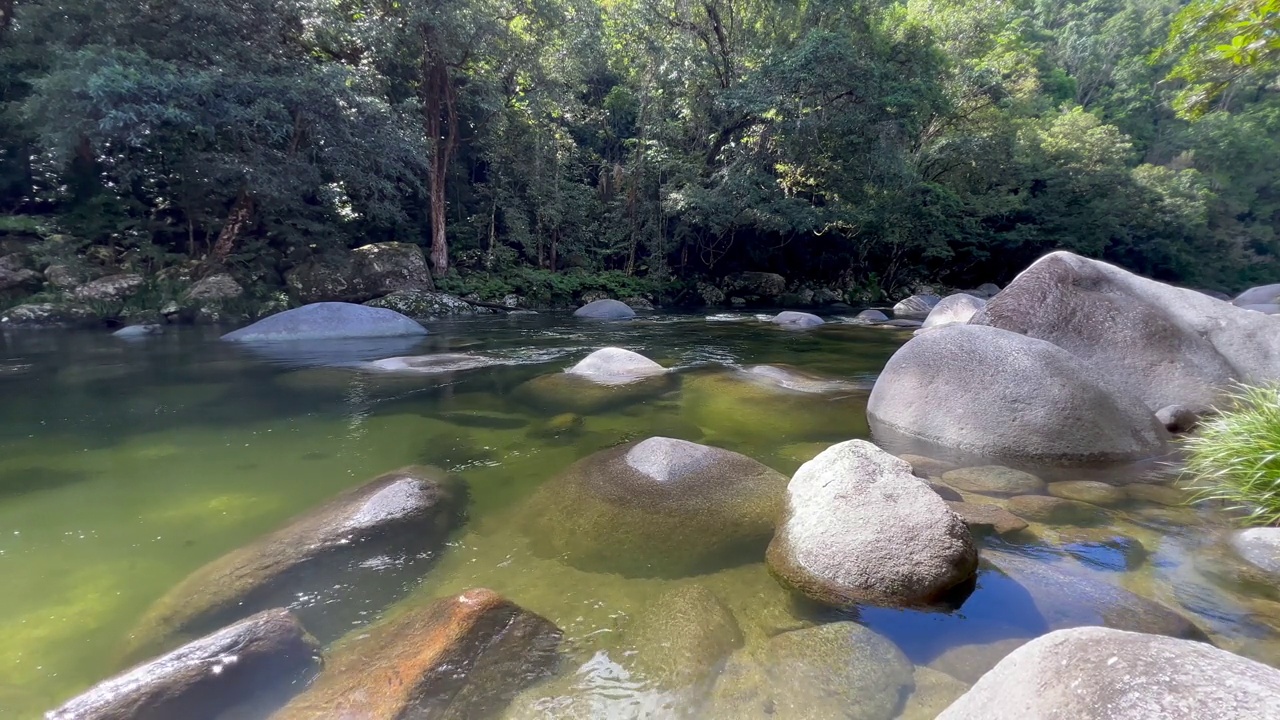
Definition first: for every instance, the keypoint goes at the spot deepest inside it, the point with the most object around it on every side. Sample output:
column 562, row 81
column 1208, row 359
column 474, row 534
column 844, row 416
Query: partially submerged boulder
column 435, row 364
column 985, row 519
column 997, row 393
column 263, row 655
column 861, row 528
column 407, row 512
column 133, row 332
column 1260, row 547
column 607, row 378
column 993, row 480
column 605, row 310
column 459, row 657
column 328, row 321
column 796, row 320
column 615, row 366
column 1089, row 491
column 870, row 316
column 1161, row 344
column 681, row 638
column 1094, row 672
column 1261, row 295
column 916, row 307
column 763, row 405
column 1055, row 510
column 658, row 507
column 954, row 309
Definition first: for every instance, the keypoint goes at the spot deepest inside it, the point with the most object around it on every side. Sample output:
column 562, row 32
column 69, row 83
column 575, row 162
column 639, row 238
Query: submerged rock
column 993, row 480
column 765, row 405
column 1260, row 547
column 605, row 310
column 984, row 519
column 465, row 656
column 1055, row 510
column 1161, row 344
column 916, row 307
column 437, row 364
column 328, row 321
column 934, row 691
column 262, row 655
column 1094, row 672
column 404, row 514
column 870, row 316
column 607, row 378
column 615, row 366
column 682, row 637
column 837, row 671
column 861, row 528
column 1088, row 491
column 788, row 378
column 954, row 309
column 793, row 319
column 659, row 507
column 1159, row 494
column 997, row 393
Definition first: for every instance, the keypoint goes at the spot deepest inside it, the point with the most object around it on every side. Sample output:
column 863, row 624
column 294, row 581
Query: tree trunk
column 440, row 117
column 238, row 220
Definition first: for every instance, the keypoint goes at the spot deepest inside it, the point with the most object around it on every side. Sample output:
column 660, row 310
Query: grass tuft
column 1234, row 458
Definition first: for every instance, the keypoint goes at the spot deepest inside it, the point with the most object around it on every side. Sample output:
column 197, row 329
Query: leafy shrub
column 1235, row 457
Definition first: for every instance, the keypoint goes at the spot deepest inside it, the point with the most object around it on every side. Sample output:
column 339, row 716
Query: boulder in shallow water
column 401, row 515
column 605, row 310
column 464, row 656
column 1261, row 295
column 869, row 317
column 1260, row 547
column 765, row 405
column 1161, row 344
column 796, row 320
column 860, row 528
column 1055, row 510
column 258, row 658
column 993, row 480
column 659, row 507
column 681, row 638
column 839, row 670
column 437, row 364
column 984, row 519
column 989, row 289
column 997, row 393
column 1268, row 309
column 328, row 321
column 615, row 366
column 1089, row 491
column 916, row 307
column 138, row 331
column 605, row 379
column 1096, row 673
column 954, row 309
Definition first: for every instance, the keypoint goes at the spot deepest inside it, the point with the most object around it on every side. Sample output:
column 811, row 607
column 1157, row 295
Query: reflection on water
column 126, row 466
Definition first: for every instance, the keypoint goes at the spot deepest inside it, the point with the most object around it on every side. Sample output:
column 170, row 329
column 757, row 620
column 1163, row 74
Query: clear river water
column 124, row 466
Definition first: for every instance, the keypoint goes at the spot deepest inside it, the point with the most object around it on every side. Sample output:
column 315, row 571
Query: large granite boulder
column 465, row 656
column 860, row 528
column 840, row 670
column 258, row 658
column 916, row 307
column 328, row 321
column 1260, row 547
column 796, row 320
column 1094, row 673
column 952, row 309
column 424, row 304
column 605, row 310
column 993, row 392
column 1267, row 309
column 112, row 289
column 1066, row 595
column 403, row 514
column 215, row 288
column 1261, row 295
column 365, row 273
column 658, row 507
column 870, row 317
column 1161, row 344
column 755, row 288
column 607, row 378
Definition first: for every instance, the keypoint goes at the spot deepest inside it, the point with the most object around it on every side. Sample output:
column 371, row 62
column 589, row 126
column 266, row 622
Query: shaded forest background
column 642, row 145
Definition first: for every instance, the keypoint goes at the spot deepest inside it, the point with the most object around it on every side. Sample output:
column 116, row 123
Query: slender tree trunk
column 238, row 220
column 440, row 116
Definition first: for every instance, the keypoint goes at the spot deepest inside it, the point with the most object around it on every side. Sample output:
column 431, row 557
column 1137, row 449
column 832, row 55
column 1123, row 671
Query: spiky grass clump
column 1235, row 457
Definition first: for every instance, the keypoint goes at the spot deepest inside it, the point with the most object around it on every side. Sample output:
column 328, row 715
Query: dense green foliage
column 1235, row 457
column 854, row 145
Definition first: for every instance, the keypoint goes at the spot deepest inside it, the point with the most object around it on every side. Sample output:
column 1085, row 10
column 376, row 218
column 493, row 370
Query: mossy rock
column 994, row 480
column 732, row 405
column 657, row 508
column 566, row 393
column 1090, row 491
column 1055, row 511
column 681, row 639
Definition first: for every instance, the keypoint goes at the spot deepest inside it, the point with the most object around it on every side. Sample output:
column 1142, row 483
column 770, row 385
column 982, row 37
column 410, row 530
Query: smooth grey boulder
column 1267, row 309
column 616, row 366
column 861, row 528
column 1055, row 510
column 990, row 289
column 1162, row 344
column 406, row 514
column 328, row 321
column 954, row 309
column 837, row 670
column 605, row 310
column 660, row 507
column 137, row 331
column 1261, row 295
column 1260, row 547
column 793, row 319
column 998, row 393
column 1094, row 673
column 259, row 656
column 916, row 307
column 436, row 364
column 870, row 316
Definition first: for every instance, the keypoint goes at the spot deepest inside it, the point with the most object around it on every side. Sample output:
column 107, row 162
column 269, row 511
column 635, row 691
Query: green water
column 124, row 466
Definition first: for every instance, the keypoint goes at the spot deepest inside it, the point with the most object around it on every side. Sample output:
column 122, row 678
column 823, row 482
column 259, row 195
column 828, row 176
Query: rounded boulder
column 796, row 320
column 954, row 309
column 605, row 310
column 860, row 528
column 328, row 321
column 660, row 507
column 997, row 393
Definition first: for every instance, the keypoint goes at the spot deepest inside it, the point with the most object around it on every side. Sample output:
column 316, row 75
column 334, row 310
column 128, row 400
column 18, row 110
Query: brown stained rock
column 984, row 519
column 408, row 511
column 261, row 655
column 459, row 657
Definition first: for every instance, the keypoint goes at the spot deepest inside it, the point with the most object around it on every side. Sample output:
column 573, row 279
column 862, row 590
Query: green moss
column 1234, row 459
